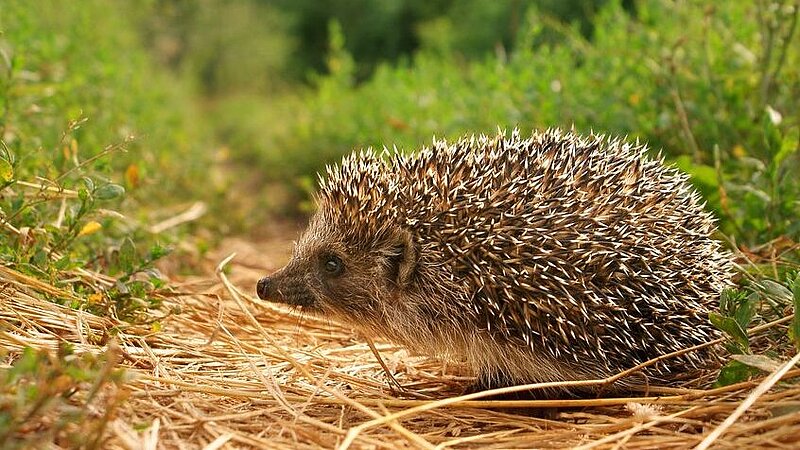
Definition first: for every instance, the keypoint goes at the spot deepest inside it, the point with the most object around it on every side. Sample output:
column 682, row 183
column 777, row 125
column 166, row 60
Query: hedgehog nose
column 265, row 288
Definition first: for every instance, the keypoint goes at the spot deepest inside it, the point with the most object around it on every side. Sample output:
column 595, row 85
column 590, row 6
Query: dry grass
column 228, row 372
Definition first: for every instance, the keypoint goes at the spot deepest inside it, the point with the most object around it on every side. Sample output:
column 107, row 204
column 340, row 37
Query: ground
column 229, row 371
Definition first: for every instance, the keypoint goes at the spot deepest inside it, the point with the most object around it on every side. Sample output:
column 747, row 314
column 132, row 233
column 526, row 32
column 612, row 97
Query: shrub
column 91, row 133
column 714, row 86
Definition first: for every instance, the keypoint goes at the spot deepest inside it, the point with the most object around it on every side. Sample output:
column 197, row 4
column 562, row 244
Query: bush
column 90, row 130
column 714, row 86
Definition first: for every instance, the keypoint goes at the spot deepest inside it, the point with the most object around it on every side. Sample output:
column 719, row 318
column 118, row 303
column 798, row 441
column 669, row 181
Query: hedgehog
column 551, row 258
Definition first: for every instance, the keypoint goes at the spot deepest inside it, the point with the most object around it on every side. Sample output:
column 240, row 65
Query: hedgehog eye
column 333, row 265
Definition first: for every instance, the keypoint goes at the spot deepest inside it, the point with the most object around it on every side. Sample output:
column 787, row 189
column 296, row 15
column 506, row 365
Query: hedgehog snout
column 285, row 287
column 265, row 288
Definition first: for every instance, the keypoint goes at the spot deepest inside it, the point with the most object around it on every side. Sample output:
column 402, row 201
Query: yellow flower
column 89, row 228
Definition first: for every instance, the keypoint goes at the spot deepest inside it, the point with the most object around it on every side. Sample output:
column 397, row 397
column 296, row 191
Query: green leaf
column 158, row 251
column 700, row 173
column 794, row 328
column 788, row 146
column 26, row 364
column 39, row 258
column 127, row 255
column 88, row 183
column 63, row 263
column 735, row 372
column 777, row 291
column 109, row 192
column 6, row 171
column 746, row 310
column 731, row 327
column 728, row 300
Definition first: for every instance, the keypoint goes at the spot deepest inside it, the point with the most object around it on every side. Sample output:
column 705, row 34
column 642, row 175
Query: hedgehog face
column 329, row 274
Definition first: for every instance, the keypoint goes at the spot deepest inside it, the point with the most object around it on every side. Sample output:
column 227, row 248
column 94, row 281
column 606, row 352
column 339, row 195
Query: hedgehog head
column 353, row 256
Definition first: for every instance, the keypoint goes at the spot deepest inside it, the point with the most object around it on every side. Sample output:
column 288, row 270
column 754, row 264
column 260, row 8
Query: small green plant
column 60, row 398
column 737, row 310
column 766, row 300
column 61, row 225
column 76, row 186
column 794, row 329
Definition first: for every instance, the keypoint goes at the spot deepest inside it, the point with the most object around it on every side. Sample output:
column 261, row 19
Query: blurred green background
column 239, row 104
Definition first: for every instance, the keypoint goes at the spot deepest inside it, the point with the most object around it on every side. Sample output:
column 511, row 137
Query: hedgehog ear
column 403, row 261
